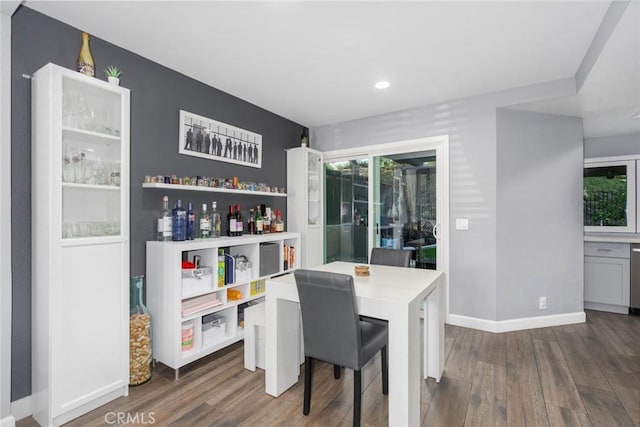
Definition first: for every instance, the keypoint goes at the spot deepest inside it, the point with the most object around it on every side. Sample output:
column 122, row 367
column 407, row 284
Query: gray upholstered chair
column 386, row 256
column 334, row 333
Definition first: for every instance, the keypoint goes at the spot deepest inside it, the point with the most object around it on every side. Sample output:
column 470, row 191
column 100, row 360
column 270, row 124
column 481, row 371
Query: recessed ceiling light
column 383, row 84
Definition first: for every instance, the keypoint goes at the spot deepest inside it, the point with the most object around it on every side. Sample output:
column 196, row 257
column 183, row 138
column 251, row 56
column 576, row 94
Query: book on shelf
column 194, row 305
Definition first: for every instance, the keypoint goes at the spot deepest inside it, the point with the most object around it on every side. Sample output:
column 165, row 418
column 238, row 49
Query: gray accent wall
column 619, row 145
column 473, row 168
column 157, row 95
column 539, row 214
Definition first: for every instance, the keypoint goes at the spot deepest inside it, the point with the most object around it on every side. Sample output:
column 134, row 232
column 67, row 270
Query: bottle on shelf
column 205, row 223
column 191, row 222
column 85, row 64
column 273, row 221
column 163, row 223
column 266, row 220
column 215, row 220
column 239, row 221
column 251, row 223
column 259, row 222
column 279, row 222
column 178, row 223
column 231, row 221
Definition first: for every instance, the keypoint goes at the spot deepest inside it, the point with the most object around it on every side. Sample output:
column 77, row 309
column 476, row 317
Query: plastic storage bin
column 269, row 258
column 195, row 280
column 213, row 328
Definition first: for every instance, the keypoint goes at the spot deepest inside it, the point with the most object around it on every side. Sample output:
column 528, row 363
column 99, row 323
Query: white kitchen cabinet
column 607, row 276
column 305, row 208
column 80, row 244
column 179, row 299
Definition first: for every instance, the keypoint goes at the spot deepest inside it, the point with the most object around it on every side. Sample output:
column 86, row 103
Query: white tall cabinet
column 80, row 244
column 305, row 208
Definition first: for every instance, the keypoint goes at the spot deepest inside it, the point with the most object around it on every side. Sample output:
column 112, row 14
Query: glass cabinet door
column 314, row 193
column 91, row 118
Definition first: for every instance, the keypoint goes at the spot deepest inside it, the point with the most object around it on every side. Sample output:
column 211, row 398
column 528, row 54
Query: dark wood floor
column 578, row 375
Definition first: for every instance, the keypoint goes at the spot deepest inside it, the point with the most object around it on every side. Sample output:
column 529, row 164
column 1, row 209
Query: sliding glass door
column 347, row 210
column 404, row 205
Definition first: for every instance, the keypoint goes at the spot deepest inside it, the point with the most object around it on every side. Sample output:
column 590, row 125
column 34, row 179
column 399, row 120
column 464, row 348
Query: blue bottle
column 191, row 222
column 179, row 222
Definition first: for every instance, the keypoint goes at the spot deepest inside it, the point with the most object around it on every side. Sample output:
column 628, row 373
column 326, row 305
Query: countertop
column 612, row 237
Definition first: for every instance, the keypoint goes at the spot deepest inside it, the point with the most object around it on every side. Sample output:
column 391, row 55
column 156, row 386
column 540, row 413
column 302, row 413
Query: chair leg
column 357, row 397
column 336, row 371
column 385, row 370
column 308, row 372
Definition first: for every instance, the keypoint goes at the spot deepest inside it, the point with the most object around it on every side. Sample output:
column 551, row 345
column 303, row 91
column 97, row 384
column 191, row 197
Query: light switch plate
column 462, row 223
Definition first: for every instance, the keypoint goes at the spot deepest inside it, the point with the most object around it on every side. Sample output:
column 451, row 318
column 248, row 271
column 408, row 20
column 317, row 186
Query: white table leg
column 404, row 366
column 434, row 330
column 281, row 345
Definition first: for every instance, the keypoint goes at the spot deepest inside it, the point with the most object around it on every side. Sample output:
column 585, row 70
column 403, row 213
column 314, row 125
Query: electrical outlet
column 542, row 303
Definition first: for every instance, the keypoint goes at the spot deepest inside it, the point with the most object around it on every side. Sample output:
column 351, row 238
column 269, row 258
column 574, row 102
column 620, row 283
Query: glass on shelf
column 90, row 108
column 75, row 230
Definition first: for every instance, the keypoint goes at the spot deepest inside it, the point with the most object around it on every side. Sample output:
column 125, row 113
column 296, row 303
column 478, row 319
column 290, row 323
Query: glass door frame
column 437, row 144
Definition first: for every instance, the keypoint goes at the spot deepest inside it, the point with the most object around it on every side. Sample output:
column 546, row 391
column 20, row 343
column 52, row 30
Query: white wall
column 620, row 145
column 539, row 232
column 471, row 126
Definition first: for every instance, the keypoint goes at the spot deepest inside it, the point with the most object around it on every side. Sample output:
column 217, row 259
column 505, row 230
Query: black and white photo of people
column 210, row 139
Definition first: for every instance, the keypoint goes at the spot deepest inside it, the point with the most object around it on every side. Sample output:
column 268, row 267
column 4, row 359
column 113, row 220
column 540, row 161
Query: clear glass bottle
column 85, row 64
column 163, row 223
column 191, row 222
column 259, row 221
column 205, row 223
column 215, row 220
column 178, row 223
column 140, row 349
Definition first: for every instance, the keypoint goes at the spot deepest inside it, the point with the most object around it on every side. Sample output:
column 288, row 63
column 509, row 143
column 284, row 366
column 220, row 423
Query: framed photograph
column 213, row 140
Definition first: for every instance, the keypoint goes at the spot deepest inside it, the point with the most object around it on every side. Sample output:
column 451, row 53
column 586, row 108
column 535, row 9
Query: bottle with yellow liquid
column 85, row 63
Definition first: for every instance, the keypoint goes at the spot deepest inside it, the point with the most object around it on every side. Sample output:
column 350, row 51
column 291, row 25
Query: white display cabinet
column 80, row 244
column 179, row 298
column 305, row 208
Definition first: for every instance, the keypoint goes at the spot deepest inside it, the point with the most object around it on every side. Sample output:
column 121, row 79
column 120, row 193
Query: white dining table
column 396, row 294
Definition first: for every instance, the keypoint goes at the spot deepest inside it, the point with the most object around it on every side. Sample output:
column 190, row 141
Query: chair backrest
column 330, row 322
column 387, row 256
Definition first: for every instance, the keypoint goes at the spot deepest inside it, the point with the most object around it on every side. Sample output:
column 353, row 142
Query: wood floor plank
column 557, row 384
column 525, row 400
column 488, row 398
column 604, row 407
column 449, row 402
column 464, row 355
column 584, row 369
column 565, row 417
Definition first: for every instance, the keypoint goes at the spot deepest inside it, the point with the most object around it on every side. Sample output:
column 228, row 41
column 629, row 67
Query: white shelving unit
column 305, row 208
column 211, row 189
column 80, row 224
column 168, row 292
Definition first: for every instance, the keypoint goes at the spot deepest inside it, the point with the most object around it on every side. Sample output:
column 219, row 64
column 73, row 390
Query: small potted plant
column 113, row 74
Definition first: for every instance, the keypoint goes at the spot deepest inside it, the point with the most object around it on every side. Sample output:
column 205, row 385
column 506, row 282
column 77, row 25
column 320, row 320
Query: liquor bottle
column 164, row 221
column 273, row 221
column 239, row 221
column 231, row 221
column 191, row 222
column 205, row 223
column 251, row 223
column 85, row 63
column 304, row 140
column 259, row 222
column 266, row 220
column 279, row 222
column 178, row 222
column 215, row 220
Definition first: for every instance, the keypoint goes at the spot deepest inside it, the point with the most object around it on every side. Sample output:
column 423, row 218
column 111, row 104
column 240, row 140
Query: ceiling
column 316, row 62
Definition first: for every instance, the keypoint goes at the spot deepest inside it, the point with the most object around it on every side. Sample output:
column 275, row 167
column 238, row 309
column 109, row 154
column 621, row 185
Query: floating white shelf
column 211, row 189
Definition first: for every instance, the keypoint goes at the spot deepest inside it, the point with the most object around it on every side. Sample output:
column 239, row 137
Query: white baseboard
column 8, row 421
column 497, row 326
column 22, row 408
